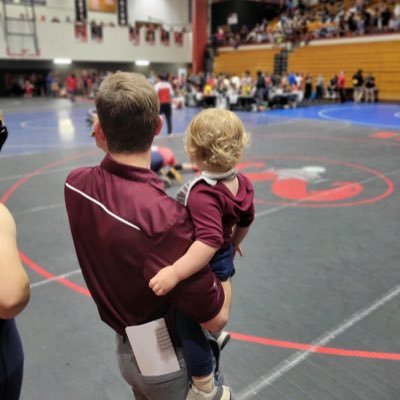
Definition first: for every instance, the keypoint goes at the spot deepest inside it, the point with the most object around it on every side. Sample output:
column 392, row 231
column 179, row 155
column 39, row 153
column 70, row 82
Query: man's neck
column 141, row 160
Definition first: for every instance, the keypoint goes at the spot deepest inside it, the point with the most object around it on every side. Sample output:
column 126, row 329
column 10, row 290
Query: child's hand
column 237, row 250
column 164, row 281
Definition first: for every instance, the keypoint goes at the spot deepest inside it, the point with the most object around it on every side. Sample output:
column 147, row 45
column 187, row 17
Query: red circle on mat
column 370, row 174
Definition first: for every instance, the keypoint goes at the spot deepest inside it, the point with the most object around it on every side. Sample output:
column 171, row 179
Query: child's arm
column 238, row 235
column 197, row 256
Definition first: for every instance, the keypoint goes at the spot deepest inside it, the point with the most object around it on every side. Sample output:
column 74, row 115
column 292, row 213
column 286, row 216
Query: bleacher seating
column 382, row 59
column 239, row 61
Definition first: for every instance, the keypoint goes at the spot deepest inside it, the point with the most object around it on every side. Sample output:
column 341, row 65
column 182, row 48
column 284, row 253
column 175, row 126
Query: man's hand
column 164, row 281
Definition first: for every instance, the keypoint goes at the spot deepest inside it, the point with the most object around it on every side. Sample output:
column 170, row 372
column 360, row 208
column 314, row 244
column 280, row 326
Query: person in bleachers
column 386, row 15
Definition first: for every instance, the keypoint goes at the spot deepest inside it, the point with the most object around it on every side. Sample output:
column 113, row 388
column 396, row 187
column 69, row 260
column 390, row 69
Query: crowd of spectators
column 329, row 19
column 269, row 91
column 261, row 91
column 53, row 84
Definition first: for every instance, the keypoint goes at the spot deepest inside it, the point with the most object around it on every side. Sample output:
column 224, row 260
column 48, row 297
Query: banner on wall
column 164, row 37
column 134, row 34
column 178, row 38
column 81, row 32
column 150, row 35
column 96, row 32
column 107, row 6
column 122, row 13
column 80, row 11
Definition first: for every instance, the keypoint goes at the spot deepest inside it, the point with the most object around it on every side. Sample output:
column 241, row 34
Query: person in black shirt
column 370, row 88
column 358, row 85
column 260, row 87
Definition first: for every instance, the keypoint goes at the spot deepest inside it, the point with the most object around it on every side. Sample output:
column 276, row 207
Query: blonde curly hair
column 216, row 138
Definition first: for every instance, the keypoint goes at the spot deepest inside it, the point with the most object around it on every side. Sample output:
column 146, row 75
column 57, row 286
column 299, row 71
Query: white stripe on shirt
column 124, row 221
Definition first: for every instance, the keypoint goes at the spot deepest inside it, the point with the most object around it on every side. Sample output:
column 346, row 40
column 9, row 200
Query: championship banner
column 134, row 34
column 150, row 35
column 164, row 36
column 96, row 32
column 122, row 13
column 81, row 34
column 107, row 6
column 178, row 36
column 80, row 11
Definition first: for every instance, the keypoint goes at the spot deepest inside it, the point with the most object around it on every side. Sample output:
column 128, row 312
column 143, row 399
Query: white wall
column 170, row 12
column 58, row 39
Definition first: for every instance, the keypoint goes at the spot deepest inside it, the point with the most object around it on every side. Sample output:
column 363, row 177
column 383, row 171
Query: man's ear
column 159, row 125
column 101, row 140
column 98, row 131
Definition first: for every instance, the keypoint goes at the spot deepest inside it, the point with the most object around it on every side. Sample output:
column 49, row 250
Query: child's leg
column 222, row 266
column 196, row 351
column 199, row 362
column 227, row 286
column 222, row 338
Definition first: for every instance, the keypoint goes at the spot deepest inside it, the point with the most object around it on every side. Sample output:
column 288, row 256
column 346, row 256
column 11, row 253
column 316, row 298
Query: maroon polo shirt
column 125, row 228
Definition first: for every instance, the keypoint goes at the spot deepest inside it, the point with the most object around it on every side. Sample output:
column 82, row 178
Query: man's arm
column 14, row 282
column 200, row 296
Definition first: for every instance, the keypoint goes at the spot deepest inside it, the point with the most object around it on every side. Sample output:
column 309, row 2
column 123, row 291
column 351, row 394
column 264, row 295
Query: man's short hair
column 128, row 110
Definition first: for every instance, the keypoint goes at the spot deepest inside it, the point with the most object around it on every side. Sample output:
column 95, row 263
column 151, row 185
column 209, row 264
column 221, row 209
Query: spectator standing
column 135, row 233
column 165, row 92
column 209, row 58
column 332, row 87
column 341, row 84
column 319, row 87
column 260, row 87
column 71, row 84
column 28, row 89
column 358, row 86
column 14, row 296
column 308, row 87
column 370, row 88
column 49, row 81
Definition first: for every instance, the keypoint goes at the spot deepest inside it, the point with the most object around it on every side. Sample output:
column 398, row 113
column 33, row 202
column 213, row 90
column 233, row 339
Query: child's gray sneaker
column 220, row 392
column 222, row 338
